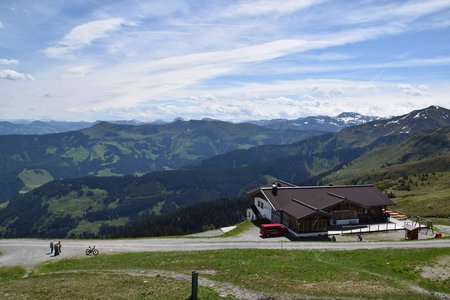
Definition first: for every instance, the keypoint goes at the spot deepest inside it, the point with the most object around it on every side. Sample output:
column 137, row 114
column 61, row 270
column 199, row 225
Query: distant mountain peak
column 432, row 112
column 211, row 119
column 348, row 114
column 319, row 123
column 178, row 119
column 102, row 123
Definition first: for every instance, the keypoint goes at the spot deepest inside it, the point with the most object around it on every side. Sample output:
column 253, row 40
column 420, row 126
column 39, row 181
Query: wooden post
column 194, row 286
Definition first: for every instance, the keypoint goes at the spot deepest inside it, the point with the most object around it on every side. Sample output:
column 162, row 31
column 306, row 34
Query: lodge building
column 311, row 210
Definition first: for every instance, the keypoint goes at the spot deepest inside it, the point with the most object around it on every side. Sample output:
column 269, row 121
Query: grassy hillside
column 110, row 149
column 380, row 274
column 414, row 171
column 425, row 195
column 361, row 138
column 422, row 145
column 420, row 188
column 94, row 206
column 33, row 179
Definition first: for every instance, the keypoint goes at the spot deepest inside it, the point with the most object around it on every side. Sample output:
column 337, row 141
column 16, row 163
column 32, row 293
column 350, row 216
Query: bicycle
column 92, row 251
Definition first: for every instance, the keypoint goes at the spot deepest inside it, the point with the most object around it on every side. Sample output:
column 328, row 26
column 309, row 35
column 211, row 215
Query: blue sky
column 230, row 60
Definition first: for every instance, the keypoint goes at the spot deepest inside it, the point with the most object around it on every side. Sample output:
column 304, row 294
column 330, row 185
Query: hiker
column 51, row 246
column 58, row 248
column 359, row 237
column 333, row 238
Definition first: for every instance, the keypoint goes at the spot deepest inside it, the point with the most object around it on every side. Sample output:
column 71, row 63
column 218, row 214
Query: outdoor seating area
column 397, row 215
column 396, row 221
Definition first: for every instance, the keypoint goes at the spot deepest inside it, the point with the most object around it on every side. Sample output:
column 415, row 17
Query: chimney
column 274, row 189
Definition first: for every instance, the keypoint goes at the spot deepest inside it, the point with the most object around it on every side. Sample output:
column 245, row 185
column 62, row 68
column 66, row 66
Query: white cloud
column 13, row 75
column 310, row 68
column 84, row 35
column 265, row 7
column 1, row 25
column 78, row 71
column 4, row 61
column 192, row 59
column 410, row 90
column 329, row 56
column 127, row 85
column 407, row 10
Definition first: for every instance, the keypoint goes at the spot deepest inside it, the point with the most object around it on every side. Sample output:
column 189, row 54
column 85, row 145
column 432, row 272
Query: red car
column 273, row 229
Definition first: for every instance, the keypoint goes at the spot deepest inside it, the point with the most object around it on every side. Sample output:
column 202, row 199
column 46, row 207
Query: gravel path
column 444, row 228
column 29, row 252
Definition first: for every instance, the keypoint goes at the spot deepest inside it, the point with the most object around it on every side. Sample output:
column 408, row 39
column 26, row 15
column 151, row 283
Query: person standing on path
column 51, row 246
column 57, row 247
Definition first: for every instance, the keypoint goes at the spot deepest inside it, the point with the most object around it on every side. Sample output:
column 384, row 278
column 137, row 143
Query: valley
column 178, row 201
column 412, row 168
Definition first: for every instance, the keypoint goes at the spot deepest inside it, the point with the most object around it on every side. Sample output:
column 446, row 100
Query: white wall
column 347, row 221
column 266, row 209
column 250, row 215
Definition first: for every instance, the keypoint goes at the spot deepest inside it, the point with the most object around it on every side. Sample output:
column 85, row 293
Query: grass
column 75, row 204
column 441, row 221
column 428, row 196
column 241, row 227
column 33, row 179
column 107, row 172
column 417, row 191
column 99, row 286
column 94, row 227
column 78, row 154
column 358, row 273
column 11, row 273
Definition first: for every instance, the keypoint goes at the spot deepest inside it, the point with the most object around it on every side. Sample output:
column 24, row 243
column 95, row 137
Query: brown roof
column 303, row 201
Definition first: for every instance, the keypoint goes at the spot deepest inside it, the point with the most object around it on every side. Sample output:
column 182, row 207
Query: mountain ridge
column 322, row 122
column 107, row 149
column 317, row 123
column 101, row 204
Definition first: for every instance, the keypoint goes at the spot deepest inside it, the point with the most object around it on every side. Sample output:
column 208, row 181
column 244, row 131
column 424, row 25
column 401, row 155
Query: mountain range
column 323, row 123
column 311, row 123
column 107, row 149
column 48, row 127
column 101, row 206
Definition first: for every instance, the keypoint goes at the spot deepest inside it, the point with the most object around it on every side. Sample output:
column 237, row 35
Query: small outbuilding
column 411, row 232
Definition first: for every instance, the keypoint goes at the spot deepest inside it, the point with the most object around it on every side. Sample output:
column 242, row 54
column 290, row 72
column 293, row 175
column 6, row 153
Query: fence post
column 194, row 286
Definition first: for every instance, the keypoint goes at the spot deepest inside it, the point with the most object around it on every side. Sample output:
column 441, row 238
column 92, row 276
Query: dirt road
column 29, row 252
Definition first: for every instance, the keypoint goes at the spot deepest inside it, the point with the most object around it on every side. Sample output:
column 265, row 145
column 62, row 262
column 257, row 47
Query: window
column 260, row 204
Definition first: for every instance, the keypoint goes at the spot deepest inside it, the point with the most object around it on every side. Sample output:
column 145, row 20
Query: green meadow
column 368, row 274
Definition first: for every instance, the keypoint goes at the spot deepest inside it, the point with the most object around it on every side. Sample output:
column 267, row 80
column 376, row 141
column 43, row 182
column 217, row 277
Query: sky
column 230, row 60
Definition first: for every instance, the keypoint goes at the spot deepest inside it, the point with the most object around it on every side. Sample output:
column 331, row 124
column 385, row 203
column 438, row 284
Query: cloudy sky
column 230, row 60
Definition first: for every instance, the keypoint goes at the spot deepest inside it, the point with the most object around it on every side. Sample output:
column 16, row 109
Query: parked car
column 273, row 229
